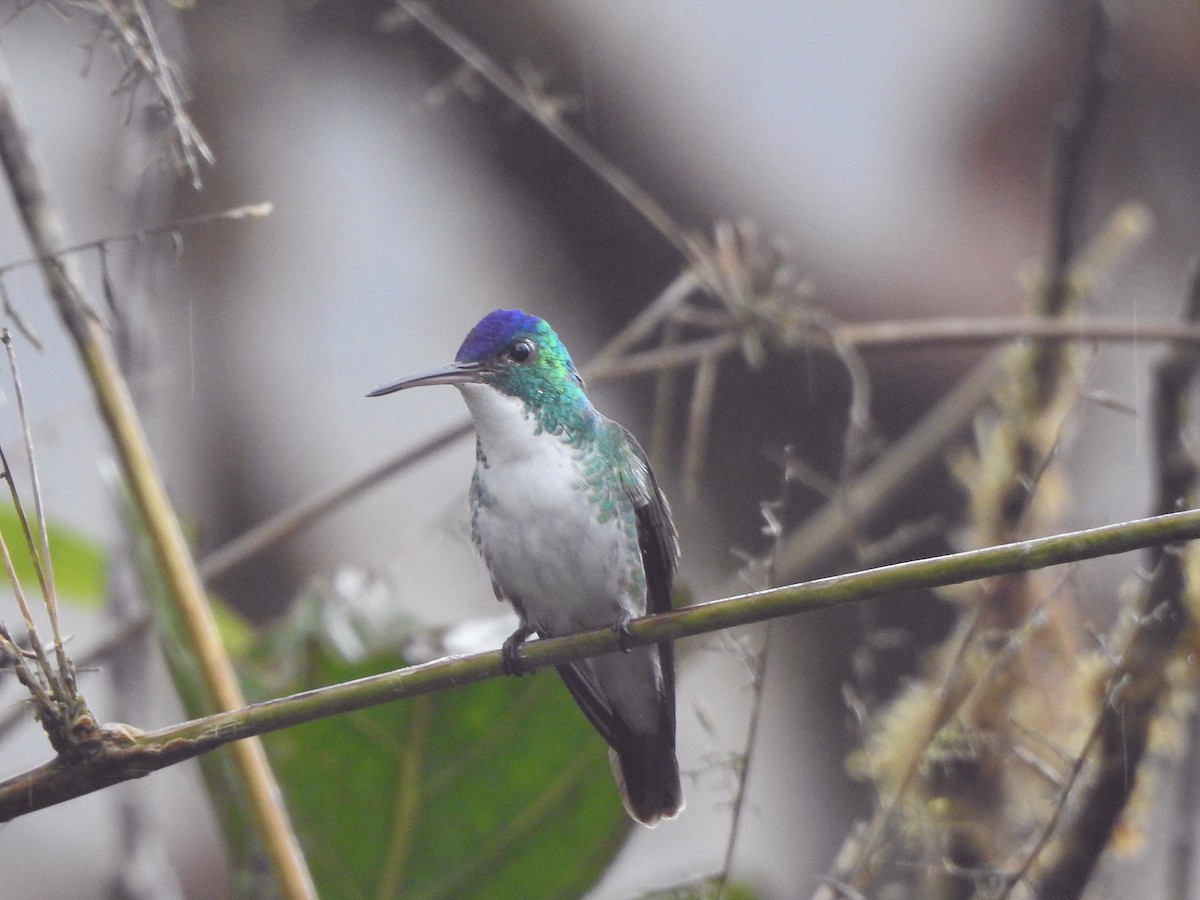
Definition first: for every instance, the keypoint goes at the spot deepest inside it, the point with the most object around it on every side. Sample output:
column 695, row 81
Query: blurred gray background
column 900, row 150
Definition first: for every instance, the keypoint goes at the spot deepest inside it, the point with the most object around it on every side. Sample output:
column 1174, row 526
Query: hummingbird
column 576, row 534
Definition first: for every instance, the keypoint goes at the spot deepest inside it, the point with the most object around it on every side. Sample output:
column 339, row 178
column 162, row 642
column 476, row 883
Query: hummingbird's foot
column 510, row 663
column 621, row 628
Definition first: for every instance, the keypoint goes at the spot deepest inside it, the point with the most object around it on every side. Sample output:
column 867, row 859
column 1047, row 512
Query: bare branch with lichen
column 968, row 815
column 1140, row 679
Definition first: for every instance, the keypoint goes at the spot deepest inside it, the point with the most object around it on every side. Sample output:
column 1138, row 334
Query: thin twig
column 39, row 552
column 300, row 516
column 246, row 211
column 17, row 319
column 35, row 642
column 773, row 528
column 35, row 685
column 84, row 661
column 7, row 476
column 138, row 35
column 664, row 357
column 643, row 324
column 903, row 335
column 545, row 116
column 721, row 883
column 959, row 332
column 699, row 417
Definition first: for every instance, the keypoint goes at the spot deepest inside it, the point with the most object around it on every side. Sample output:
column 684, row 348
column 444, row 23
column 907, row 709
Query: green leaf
column 495, row 789
column 79, row 563
column 499, row 789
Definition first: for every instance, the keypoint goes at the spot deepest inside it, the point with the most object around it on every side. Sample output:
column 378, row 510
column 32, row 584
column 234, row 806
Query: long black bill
column 455, row 373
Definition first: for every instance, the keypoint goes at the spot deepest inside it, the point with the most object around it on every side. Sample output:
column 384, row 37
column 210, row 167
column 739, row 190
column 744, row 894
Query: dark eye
column 521, row 351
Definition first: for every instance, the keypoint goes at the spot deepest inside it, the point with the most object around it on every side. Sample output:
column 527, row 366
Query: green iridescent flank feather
column 603, row 455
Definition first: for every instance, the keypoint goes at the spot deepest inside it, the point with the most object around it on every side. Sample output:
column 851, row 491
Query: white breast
column 539, row 534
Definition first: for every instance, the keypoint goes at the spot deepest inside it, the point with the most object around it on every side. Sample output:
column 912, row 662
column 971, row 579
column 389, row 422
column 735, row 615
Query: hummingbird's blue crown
column 524, row 358
column 497, row 331
column 494, row 332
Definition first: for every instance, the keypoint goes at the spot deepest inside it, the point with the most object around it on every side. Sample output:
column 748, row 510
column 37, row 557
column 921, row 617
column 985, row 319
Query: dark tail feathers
column 647, row 776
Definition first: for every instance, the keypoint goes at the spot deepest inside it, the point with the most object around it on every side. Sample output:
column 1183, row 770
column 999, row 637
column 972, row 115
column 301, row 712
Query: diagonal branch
column 114, row 754
column 547, row 116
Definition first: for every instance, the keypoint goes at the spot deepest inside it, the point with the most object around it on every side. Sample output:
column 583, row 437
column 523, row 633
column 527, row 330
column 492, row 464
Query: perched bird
column 576, row 535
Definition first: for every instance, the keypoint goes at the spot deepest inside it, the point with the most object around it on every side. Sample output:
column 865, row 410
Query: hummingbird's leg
column 510, row 663
column 621, row 628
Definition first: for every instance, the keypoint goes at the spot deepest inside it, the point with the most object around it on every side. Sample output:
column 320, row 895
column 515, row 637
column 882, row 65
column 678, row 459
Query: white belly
column 539, row 534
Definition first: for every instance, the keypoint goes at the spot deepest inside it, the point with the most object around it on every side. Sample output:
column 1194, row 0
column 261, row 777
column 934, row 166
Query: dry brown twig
column 128, row 28
column 102, row 247
column 757, row 669
column 60, row 708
